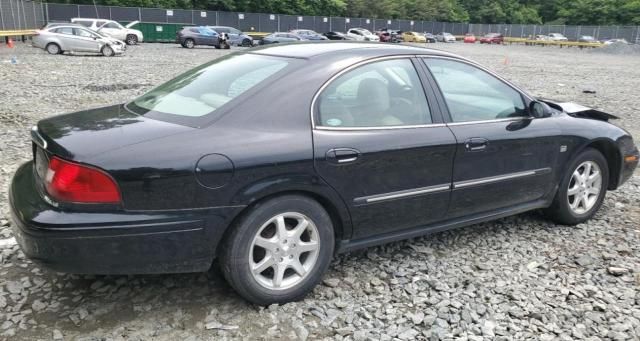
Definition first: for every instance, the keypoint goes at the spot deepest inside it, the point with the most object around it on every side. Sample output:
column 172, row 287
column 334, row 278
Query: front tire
column 246, row 43
column 582, row 189
column 279, row 250
column 107, row 51
column 132, row 39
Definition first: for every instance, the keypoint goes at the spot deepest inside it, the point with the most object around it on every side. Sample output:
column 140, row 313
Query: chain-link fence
column 630, row 33
column 20, row 15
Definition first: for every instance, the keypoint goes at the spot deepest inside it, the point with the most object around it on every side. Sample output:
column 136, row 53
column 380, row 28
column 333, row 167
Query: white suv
column 112, row 29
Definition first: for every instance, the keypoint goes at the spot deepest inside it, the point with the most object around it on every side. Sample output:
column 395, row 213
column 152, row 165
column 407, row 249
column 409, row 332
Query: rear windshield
column 194, row 96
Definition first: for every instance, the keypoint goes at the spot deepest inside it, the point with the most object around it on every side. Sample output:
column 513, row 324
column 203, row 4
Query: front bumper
column 113, row 242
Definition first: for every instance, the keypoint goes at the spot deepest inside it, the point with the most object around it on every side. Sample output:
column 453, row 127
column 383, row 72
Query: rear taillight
column 72, row 182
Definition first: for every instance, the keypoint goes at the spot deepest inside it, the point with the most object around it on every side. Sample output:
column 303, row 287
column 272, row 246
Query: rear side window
column 472, row 94
column 379, row 94
column 201, row 91
column 65, row 30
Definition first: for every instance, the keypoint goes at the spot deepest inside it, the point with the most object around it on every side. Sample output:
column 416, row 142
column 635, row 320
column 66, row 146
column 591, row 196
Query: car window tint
column 384, row 93
column 222, row 30
column 234, row 31
column 204, row 89
column 194, row 30
column 472, row 94
column 83, row 22
column 65, row 30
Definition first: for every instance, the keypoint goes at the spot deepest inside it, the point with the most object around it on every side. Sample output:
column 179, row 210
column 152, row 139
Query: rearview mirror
column 539, row 109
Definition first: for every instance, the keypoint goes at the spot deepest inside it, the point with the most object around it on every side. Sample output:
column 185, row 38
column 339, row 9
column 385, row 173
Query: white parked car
column 557, row 37
column 445, row 37
column 362, row 34
column 112, row 29
column 60, row 38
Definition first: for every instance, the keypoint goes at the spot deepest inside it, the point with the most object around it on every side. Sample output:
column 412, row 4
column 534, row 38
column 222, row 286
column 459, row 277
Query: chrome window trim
column 402, row 194
column 511, row 119
column 434, row 125
column 498, row 178
column 354, row 66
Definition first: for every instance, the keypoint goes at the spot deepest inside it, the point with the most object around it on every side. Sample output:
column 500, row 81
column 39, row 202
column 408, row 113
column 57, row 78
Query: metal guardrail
column 16, row 33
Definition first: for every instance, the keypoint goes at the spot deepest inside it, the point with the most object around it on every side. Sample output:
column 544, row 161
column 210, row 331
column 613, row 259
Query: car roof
column 308, row 50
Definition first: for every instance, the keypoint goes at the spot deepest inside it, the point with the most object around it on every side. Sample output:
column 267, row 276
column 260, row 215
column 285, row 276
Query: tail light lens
column 72, row 182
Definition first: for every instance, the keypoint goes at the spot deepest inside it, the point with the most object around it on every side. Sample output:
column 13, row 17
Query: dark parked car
column 309, row 34
column 430, row 37
column 189, row 37
column 373, row 143
column 281, row 37
column 234, row 35
column 335, row 35
column 385, row 36
column 492, row 38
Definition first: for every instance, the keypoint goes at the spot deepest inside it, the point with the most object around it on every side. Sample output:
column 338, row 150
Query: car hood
column 131, row 24
column 84, row 134
column 577, row 110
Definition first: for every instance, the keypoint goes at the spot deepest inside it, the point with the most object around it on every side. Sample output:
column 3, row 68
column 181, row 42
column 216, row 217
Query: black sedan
column 335, row 35
column 373, row 143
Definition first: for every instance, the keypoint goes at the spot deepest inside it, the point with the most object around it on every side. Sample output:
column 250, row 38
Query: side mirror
column 539, row 109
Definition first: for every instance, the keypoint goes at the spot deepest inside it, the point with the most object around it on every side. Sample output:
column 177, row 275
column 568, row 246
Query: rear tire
column 107, row 51
column 246, row 42
column 53, row 48
column 189, row 43
column 289, row 261
column 582, row 189
column 132, row 39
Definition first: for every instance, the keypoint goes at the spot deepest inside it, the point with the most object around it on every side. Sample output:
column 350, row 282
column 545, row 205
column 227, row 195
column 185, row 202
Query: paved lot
column 516, row 278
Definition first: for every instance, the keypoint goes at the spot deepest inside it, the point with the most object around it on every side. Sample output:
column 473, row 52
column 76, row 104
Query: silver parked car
column 75, row 38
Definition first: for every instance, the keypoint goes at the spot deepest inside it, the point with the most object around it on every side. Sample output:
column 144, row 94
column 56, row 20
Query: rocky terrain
column 513, row 279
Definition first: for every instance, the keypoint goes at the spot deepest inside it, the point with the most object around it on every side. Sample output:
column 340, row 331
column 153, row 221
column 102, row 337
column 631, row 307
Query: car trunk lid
column 84, row 134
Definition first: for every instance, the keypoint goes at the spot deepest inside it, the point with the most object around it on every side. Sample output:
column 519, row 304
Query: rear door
column 379, row 141
column 504, row 157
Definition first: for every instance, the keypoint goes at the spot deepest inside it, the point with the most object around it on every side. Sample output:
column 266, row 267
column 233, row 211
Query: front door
column 504, row 157
column 381, row 145
column 85, row 40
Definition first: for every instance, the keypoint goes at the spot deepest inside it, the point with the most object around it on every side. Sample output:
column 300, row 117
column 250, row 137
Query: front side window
column 378, row 94
column 199, row 92
column 472, row 94
column 83, row 33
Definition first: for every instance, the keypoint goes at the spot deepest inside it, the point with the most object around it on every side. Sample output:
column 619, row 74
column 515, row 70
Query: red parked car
column 469, row 38
column 492, row 38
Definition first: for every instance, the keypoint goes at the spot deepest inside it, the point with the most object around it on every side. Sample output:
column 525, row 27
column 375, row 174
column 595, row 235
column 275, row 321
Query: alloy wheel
column 284, row 251
column 584, row 187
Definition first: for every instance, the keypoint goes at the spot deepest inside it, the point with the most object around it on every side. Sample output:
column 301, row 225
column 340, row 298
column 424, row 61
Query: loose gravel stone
column 516, row 278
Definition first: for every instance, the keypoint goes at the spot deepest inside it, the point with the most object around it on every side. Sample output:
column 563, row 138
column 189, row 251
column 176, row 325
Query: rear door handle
column 476, row 144
column 342, row 155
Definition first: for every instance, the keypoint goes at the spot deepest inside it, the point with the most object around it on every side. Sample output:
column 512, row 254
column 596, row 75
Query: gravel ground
column 516, row 278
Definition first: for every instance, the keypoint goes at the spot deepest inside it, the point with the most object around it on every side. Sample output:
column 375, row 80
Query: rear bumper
column 113, row 242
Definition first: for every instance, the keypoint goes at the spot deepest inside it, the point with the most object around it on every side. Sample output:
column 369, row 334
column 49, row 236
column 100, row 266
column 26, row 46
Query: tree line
column 569, row 12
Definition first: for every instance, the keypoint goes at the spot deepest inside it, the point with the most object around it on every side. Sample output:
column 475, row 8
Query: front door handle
column 342, row 155
column 476, row 144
